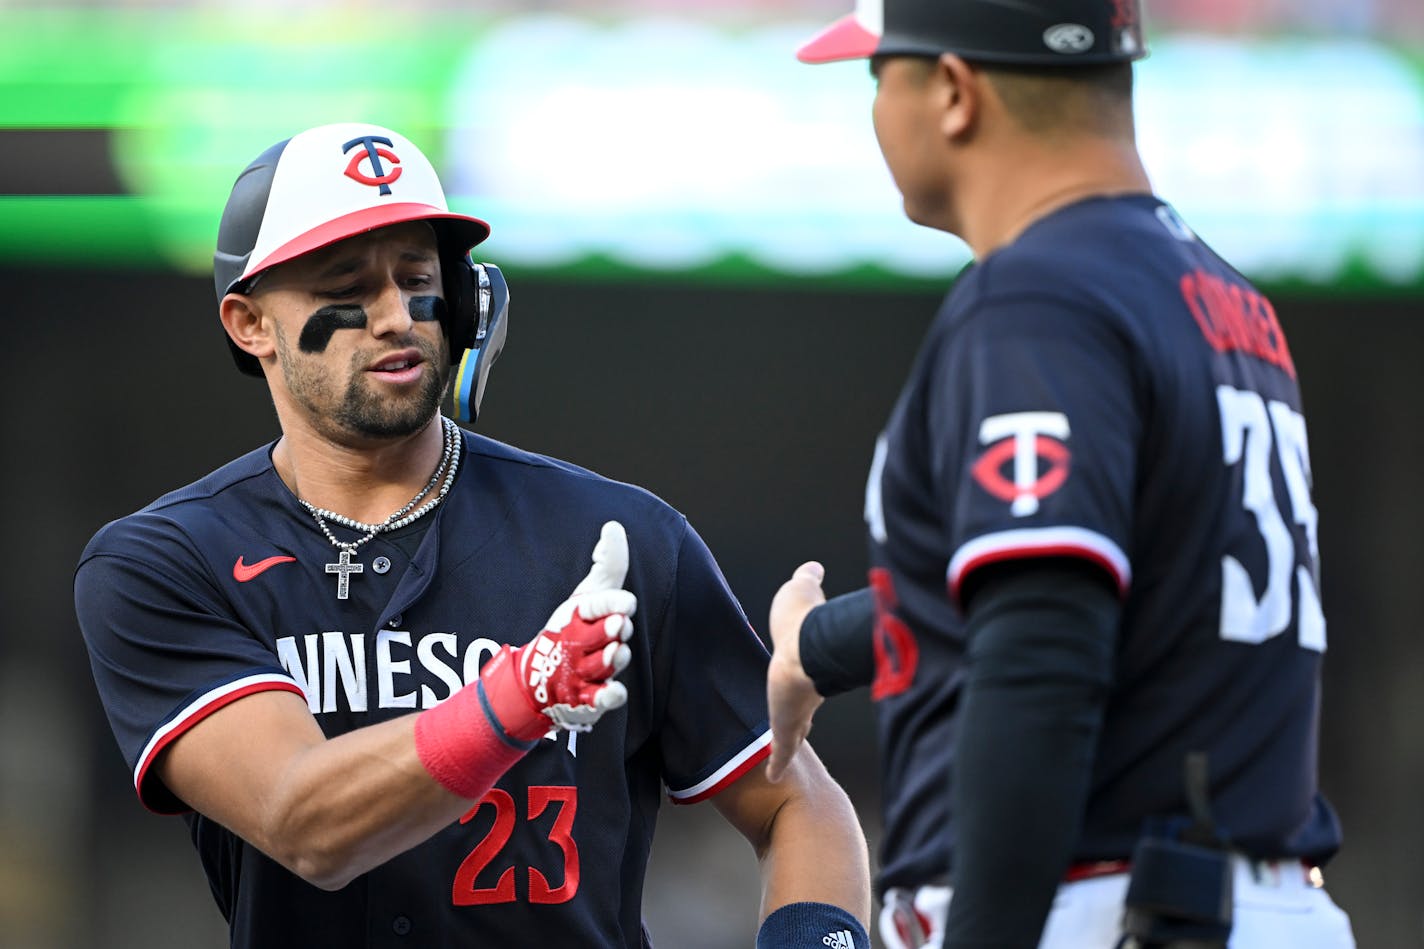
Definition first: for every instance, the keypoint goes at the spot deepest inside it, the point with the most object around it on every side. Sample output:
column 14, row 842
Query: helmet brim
column 461, row 231
column 847, row 38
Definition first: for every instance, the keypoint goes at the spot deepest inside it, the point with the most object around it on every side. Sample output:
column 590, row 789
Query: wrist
column 508, row 701
column 836, row 645
column 811, row 924
column 462, row 746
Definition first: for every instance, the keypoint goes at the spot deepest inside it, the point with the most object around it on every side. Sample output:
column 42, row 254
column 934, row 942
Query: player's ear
column 961, row 91
column 242, row 317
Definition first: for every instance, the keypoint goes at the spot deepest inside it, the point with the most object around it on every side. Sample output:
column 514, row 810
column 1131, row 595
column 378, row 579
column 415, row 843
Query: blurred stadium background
column 671, row 195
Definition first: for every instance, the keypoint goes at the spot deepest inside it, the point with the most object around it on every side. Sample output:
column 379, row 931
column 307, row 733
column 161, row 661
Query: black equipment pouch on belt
column 1179, row 895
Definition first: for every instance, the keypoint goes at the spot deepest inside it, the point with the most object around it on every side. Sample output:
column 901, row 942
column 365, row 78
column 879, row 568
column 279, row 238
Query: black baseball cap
column 1028, row 32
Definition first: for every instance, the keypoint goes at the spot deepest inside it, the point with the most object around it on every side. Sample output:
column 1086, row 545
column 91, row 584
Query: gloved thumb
column 610, row 561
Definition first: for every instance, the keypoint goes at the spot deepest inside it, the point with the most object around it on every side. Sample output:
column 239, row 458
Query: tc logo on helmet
column 380, row 175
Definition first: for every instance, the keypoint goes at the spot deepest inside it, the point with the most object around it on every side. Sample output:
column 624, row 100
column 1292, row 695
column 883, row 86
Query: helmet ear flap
column 477, row 316
column 461, row 302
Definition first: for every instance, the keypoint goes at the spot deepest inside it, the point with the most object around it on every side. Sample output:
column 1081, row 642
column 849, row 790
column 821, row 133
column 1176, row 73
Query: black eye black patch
column 322, row 324
column 426, row 309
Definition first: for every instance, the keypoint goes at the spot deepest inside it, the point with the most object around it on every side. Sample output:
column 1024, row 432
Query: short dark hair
column 1048, row 99
column 1053, row 98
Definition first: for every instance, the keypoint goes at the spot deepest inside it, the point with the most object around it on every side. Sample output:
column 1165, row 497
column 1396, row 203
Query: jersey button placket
column 401, row 926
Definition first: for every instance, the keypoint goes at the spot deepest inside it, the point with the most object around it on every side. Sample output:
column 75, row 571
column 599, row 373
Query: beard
column 362, row 409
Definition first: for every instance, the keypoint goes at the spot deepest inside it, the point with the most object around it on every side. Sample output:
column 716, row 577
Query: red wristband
column 507, row 700
column 461, row 745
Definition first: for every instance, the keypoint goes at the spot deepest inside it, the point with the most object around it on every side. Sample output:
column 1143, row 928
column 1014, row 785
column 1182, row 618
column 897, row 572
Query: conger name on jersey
column 1236, row 318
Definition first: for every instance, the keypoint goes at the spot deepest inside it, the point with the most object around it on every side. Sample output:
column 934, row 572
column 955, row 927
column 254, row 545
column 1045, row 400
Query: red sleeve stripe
column 746, row 759
column 1039, row 542
column 200, row 708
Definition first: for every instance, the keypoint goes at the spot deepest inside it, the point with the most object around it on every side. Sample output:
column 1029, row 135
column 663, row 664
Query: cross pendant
column 345, row 568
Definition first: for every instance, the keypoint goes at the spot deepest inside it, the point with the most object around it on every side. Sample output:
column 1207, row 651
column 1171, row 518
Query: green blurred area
column 187, row 95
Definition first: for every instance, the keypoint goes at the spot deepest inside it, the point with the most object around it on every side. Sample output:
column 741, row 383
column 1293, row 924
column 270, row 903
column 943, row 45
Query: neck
column 1007, row 197
column 364, row 481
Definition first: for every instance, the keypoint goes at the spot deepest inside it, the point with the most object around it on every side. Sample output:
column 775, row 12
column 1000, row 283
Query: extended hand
column 564, row 677
column 791, row 697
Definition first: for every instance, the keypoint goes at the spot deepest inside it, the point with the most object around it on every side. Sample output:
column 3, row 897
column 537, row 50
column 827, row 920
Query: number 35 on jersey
column 1253, row 430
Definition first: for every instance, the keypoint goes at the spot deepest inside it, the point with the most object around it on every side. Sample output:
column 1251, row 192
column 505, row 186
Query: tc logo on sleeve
column 1033, row 444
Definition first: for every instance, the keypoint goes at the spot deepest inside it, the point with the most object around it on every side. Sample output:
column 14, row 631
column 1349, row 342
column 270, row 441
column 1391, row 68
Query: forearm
column 327, row 809
column 806, row 835
column 1018, row 823
column 837, row 643
column 350, row 804
column 1041, row 646
column 818, row 855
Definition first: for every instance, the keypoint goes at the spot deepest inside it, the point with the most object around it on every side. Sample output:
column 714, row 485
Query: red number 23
column 465, row 893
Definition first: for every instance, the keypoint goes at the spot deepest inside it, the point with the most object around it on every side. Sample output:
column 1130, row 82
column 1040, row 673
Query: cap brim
column 846, row 38
column 462, row 227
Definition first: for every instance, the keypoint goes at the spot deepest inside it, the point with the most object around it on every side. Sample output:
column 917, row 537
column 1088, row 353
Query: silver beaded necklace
column 444, row 476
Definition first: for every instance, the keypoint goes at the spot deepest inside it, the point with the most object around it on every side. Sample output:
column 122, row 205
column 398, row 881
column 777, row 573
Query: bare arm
column 328, row 810
column 806, row 836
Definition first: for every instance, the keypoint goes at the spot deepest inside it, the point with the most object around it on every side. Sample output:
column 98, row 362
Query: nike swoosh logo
column 242, row 572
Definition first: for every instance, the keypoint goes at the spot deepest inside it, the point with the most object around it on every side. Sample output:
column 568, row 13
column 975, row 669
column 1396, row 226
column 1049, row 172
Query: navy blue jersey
column 220, row 589
column 1107, row 388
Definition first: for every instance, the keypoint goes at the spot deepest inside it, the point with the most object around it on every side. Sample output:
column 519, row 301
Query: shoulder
column 555, row 510
column 546, row 481
column 496, row 452
column 175, row 518
column 1089, row 251
column 1107, row 267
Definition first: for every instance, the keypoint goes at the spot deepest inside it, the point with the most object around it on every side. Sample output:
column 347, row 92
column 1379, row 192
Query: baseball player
column 1094, row 593
column 335, row 656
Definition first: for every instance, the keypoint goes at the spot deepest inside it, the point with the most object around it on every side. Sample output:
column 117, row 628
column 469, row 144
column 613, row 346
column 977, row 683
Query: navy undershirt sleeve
column 837, row 643
column 1041, row 641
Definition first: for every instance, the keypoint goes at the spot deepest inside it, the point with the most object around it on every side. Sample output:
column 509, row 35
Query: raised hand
column 563, row 678
column 791, row 697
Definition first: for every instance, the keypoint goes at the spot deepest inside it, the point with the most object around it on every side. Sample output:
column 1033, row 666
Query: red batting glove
column 564, row 678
